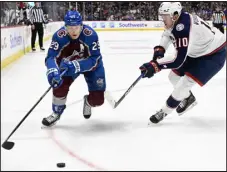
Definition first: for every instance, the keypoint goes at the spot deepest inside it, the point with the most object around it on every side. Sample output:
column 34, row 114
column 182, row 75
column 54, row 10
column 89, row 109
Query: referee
column 218, row 19
column 37, row 20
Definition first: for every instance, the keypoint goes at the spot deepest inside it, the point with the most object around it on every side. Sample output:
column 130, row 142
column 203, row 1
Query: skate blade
column 152, row 124
column 189, row 108
column 87, row 116
column 50, row 126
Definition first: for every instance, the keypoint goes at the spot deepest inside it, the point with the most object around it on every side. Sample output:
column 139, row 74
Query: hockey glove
column 159, row 52
column 72, row 67
column 54, row 78
column 149, row 69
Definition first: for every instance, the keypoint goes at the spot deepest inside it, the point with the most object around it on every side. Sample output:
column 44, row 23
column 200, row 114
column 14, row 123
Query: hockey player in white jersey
column 200, row 54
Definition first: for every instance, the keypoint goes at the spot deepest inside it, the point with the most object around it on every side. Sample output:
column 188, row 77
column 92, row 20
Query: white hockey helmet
column 171, row 8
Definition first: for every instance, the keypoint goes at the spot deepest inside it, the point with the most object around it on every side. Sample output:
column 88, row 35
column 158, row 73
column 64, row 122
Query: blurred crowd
column 17, row 13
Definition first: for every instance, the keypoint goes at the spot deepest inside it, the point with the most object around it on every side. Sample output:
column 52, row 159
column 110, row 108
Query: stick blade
column 8, row 145
column 110, row 99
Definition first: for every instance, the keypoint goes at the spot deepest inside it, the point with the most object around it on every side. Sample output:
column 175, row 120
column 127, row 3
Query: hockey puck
column 61, row 165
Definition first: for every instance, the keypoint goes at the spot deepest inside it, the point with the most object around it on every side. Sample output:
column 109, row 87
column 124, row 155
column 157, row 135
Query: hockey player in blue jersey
column 200, row 54
column 75, row 48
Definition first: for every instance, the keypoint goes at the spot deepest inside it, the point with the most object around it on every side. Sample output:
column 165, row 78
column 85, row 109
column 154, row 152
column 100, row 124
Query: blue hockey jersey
column 85, row 49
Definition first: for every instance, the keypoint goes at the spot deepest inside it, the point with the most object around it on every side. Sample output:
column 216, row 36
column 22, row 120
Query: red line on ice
column 65, row 149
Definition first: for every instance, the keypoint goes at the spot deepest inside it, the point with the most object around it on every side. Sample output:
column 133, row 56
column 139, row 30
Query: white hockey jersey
column 192, row 37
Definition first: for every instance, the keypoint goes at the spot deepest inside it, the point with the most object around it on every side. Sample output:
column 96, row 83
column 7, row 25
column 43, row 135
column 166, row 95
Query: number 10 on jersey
column 181, row 42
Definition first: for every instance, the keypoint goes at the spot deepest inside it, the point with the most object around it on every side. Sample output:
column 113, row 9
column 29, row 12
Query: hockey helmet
column 73, row 18
column 171, row 8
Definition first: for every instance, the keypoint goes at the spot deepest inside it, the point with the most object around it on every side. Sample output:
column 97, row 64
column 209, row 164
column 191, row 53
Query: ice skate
column 55, row 116
column 87, row 108
column 186, row 104
column 156, row 118
column 51, row 120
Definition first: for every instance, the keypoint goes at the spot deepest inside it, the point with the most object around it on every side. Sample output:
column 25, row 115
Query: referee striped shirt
column 218, row 17
column 36, row 15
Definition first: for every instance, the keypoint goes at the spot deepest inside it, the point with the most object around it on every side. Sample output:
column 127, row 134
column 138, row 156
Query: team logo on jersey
column 81, row 50
column 87, row 32
column 100, row 82
column 180, row 27
column 61, row 33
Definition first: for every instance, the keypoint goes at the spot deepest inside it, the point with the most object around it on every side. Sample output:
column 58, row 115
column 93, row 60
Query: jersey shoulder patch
column 59, row 39
column 183, row 21
column 61, row 33
column 87, row 32
column 180, row 27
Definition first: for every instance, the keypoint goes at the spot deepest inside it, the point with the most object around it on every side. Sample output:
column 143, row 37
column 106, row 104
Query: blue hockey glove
column 72, row 67
column 159, row 52
column 54, row 78
column 149, row 69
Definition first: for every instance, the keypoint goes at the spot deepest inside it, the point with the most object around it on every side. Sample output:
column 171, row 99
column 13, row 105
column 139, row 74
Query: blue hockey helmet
column 73, row 18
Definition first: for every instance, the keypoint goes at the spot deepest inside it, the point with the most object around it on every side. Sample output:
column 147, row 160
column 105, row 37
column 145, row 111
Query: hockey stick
column 9, row 145
column 110, row 99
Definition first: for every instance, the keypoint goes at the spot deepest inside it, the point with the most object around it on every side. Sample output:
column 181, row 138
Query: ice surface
column 116, row 139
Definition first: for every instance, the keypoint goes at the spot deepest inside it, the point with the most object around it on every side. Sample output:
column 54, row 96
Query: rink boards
column 15, row 41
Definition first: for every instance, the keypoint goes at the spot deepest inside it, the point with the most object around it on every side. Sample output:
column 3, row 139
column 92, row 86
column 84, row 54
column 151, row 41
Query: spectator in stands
column 100, row 11
column 24, row 13
column 218, row 19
